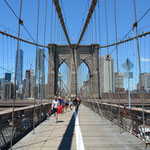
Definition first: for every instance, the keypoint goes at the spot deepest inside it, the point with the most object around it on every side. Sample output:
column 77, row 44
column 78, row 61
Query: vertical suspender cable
column 43, row 74
column 100, row 45
column 99, row 48
column 14, row 97
column 97, row 62
column 3, row 51
column 117, row 55
column 36, row 65
column 92, row 29
column 54, row 25
column 51, row 22
column 106, row 27
column 108, row 58
column 95, row 27
column 140, row 81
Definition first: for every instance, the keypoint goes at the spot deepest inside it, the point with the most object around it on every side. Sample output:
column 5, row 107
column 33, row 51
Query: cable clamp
column 134, row 25
column 20, row 21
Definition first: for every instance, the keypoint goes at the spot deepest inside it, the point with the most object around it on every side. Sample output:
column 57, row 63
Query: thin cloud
column 145, row 59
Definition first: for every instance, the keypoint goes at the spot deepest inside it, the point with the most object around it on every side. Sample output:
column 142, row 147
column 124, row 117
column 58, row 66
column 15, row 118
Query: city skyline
column 124, row 21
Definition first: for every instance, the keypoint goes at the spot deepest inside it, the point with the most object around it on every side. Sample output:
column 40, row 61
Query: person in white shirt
column 54, row 107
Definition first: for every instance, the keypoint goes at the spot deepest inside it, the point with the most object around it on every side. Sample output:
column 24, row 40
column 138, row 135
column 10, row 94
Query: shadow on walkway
column 68, row 135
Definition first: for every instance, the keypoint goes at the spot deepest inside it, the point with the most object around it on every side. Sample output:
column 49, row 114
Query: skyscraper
column 40, row 66
column 19, row 67
column 27, row 84
column 145, row 80
column 40, row 70
column 32, row 81
column 106, row 74
column 118, row 78
column 7, row 92
column 8, row 76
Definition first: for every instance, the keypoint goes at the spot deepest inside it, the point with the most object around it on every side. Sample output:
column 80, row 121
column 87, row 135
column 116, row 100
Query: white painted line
column 79, row 139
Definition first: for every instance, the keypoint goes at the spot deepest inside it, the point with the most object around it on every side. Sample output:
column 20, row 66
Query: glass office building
column 19, row 67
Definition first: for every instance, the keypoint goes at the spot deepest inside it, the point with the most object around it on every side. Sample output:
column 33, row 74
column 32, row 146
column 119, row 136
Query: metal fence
column 23, row 123
column 129, row 119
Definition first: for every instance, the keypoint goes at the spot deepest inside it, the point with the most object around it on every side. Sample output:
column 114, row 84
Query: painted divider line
column 79, row 139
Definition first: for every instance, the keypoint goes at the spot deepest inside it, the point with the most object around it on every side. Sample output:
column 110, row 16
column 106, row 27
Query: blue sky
column 74, row 11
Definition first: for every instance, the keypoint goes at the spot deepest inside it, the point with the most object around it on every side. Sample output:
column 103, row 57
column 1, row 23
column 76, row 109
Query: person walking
column 71, row 102
column 66, row 104
column 55, row 108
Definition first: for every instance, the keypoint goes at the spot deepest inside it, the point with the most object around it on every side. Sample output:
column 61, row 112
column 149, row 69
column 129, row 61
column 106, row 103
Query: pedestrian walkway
column 89, row 132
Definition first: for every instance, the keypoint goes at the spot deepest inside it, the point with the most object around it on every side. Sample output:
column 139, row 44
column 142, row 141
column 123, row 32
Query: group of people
column 61, row 104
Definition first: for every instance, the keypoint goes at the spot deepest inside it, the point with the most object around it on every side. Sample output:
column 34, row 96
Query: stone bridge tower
column 89, row 54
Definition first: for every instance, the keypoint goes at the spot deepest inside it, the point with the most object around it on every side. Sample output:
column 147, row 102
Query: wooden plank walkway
column 97, row 133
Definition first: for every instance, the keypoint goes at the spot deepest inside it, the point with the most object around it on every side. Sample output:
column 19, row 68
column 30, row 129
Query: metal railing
column 23, row 123
column 130, row 118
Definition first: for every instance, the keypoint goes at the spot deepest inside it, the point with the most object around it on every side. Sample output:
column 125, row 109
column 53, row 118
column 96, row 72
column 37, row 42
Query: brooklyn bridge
column 74, row 75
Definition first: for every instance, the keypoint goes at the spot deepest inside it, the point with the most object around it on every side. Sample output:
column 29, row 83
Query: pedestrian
column 71, row 102
column 79, row 100
column 66, row 104
column 55, row 103
column 60, row 101
column 63, row 104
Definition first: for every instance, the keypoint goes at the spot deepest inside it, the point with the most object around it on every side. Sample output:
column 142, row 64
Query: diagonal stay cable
column 122, row 40
column 19, row 20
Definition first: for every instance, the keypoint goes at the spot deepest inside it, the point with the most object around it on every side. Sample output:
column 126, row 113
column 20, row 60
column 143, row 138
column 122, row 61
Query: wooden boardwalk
column 97, row 134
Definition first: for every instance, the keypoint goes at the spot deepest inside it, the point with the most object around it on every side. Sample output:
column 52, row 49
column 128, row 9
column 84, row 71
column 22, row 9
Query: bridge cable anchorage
column 139, row 60
column 91, row 10
column 14, row 97
column 57, row 6
column 36, row 65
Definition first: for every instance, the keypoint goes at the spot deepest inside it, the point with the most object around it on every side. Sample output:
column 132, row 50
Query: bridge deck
column 97, row 134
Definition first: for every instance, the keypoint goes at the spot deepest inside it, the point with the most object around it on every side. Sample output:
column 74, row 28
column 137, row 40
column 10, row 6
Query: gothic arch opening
column 63, row 80
column 83, row 80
